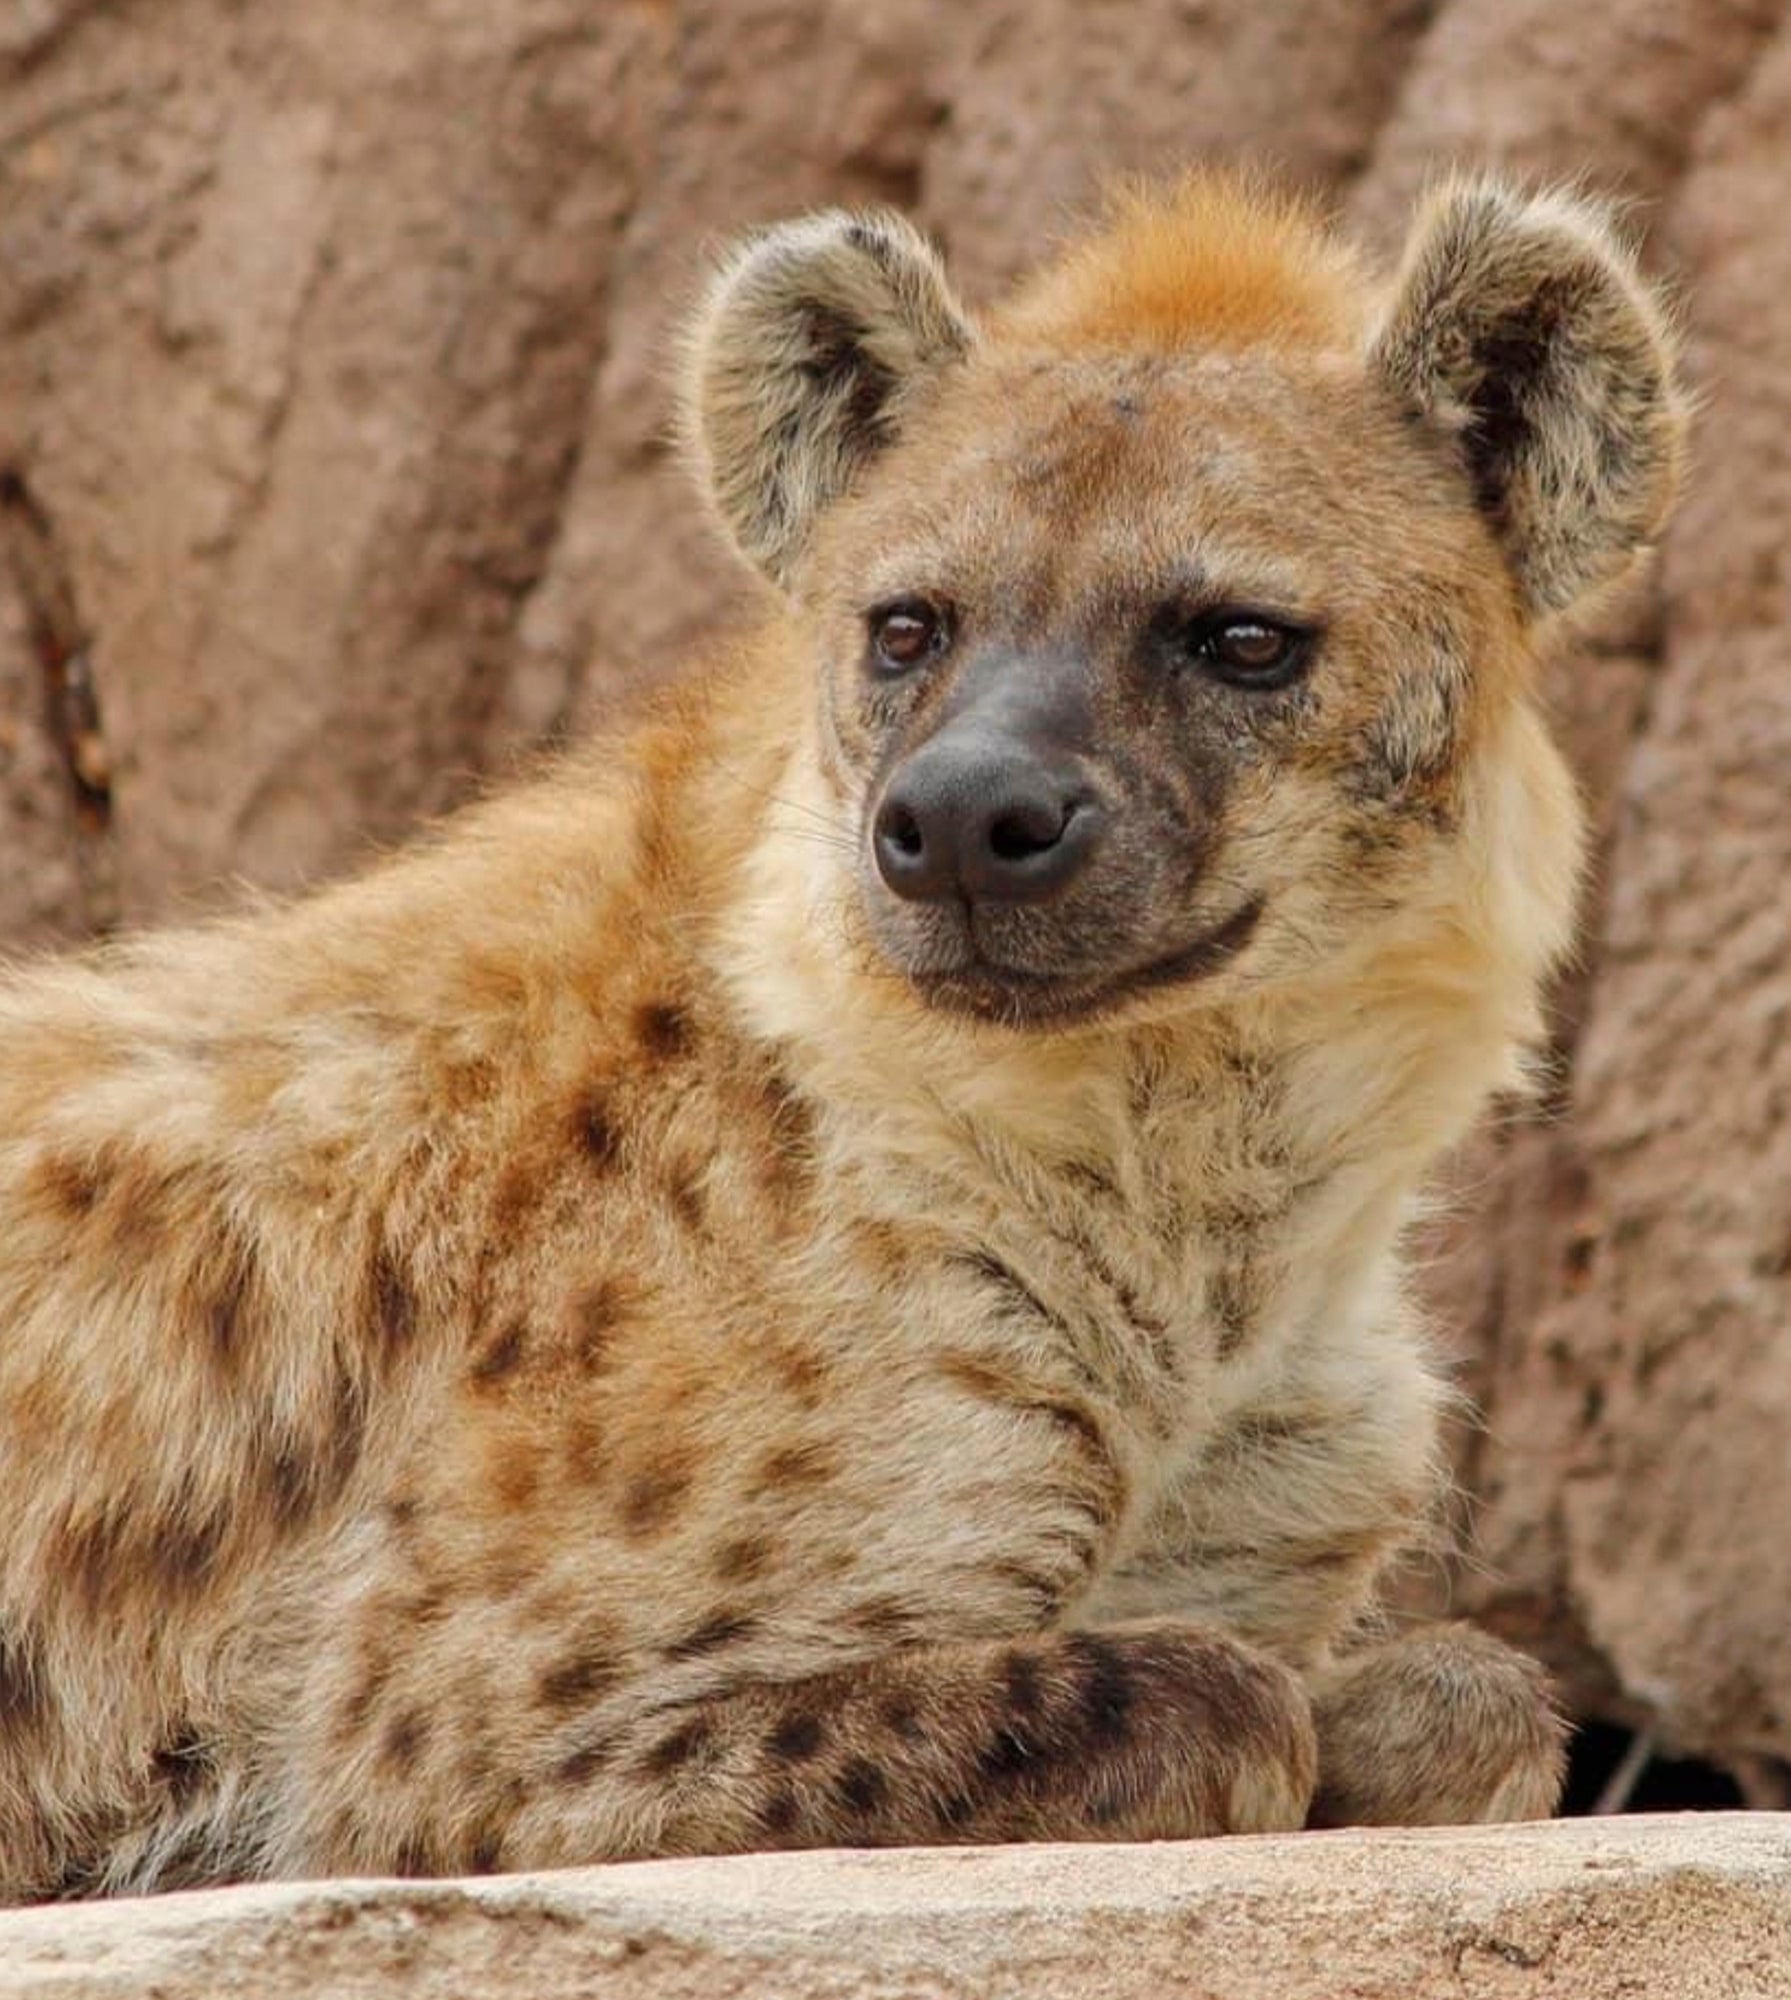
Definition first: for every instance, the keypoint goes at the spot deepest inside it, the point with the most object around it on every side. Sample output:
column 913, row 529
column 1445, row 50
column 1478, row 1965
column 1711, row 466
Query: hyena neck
column 1344, row 1085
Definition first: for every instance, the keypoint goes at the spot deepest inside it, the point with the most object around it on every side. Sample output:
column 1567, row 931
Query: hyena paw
column 1443, row 1726
column 1222, row 1738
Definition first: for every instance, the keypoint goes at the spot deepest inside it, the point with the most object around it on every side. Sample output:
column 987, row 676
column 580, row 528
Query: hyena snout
column 996, row 807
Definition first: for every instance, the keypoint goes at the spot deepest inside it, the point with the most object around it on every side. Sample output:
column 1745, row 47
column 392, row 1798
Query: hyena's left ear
column 1521, row 323
column 813, row 336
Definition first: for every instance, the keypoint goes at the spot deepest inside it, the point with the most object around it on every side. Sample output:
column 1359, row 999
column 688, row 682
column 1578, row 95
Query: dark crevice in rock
column 36, row 34
column 63, row 649
column 1613, row 1769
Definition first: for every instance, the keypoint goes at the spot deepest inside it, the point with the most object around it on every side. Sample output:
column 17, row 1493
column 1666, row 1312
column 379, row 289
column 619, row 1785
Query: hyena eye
column 1248, row 649
column 908, row 633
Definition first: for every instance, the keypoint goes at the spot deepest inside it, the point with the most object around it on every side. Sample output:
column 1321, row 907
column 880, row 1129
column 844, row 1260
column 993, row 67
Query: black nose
column 991, row 821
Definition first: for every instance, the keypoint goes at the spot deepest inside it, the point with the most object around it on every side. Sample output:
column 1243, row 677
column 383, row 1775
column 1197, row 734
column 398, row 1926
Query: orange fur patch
column 1210, row 261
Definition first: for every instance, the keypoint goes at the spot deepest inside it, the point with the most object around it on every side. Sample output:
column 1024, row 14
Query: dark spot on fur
column 501, row 1358
column 227, row 1279
column 81, row 1876
column 741, row 1560
column 779, row 1812
column 587, row 1455
column 1228, row 1305
column 394, row 1311
column 412, row 1858
column 721, row 1630
column 88, row 1557
column 786, row 1159
column 300, row 1477
column 1082, row 1425
column 1020, row 1681
column 402, row 1514
column 1105, row 1687
column 984, row 1381
column 515, row 1196
column 184, row 1766
column 993, row 1272
column 886, row 1618
column 485, row 1852
column 786, row 1107
column 664, row 1030
column 959, row 1809
column 901, row 1718
column 797, row 1465
column 653, row 1495
column 594, row 1130
column 291, row 1488
column 341, row 1454
column 351, row 1719
column 181, row 1552
column 578, row 1679
column 862, row 1787
column 583, row 1763
column 428, row 1606
column 68, row 1187
column 1005, row 1756
column 593, row 1317
column 802, row 1371
column 140, row 1206
column 684, row 1190
column 796, row 1738
column 21, row 1684
column 1090, row 1175
column 514, row 1472
column 671, row 1753
column 404, row 1740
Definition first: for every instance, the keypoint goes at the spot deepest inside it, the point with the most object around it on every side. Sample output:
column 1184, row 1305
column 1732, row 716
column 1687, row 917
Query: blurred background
column 333, row 342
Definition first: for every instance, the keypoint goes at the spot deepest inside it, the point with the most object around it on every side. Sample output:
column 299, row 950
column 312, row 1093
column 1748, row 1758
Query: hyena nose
column 986, row 823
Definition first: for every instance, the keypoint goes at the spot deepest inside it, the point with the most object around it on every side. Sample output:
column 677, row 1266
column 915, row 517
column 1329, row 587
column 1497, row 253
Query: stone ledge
column 1689, row 1907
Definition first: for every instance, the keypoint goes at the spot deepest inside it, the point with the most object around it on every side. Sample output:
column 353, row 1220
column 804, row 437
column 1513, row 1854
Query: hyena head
column 1166, row 621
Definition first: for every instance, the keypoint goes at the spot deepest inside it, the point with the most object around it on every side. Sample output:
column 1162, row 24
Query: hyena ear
column 1521, row 323
column 813, row 336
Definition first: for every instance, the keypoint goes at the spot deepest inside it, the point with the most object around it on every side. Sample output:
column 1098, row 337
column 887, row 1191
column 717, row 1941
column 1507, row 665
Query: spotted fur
column 561, row 1348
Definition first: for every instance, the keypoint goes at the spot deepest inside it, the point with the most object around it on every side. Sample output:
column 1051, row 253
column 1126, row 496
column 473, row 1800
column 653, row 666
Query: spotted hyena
column 829, row 1270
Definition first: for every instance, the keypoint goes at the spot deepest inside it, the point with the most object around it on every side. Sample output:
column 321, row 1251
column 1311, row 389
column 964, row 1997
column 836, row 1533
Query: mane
column 1211, row 260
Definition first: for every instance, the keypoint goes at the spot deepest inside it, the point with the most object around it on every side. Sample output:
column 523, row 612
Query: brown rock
column 41, row 899
column 1649, row 1909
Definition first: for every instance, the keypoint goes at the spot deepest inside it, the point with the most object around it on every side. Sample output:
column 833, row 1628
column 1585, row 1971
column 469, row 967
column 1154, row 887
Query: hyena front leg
column 1442, row 1726
column 1139, row 1732
column 1154, row 1731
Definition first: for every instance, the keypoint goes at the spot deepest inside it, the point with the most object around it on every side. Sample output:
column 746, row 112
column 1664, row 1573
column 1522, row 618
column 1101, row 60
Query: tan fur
column 557, row 1350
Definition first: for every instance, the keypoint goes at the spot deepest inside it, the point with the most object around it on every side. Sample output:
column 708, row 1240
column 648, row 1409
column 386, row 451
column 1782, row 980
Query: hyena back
column 828, row 1271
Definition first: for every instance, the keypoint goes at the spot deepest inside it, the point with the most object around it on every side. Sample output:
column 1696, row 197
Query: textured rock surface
column 332, row 344
column 1650, row 1909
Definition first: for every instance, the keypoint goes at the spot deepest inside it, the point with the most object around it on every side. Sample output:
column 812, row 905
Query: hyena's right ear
column 811, row 339
column 1520, row 324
